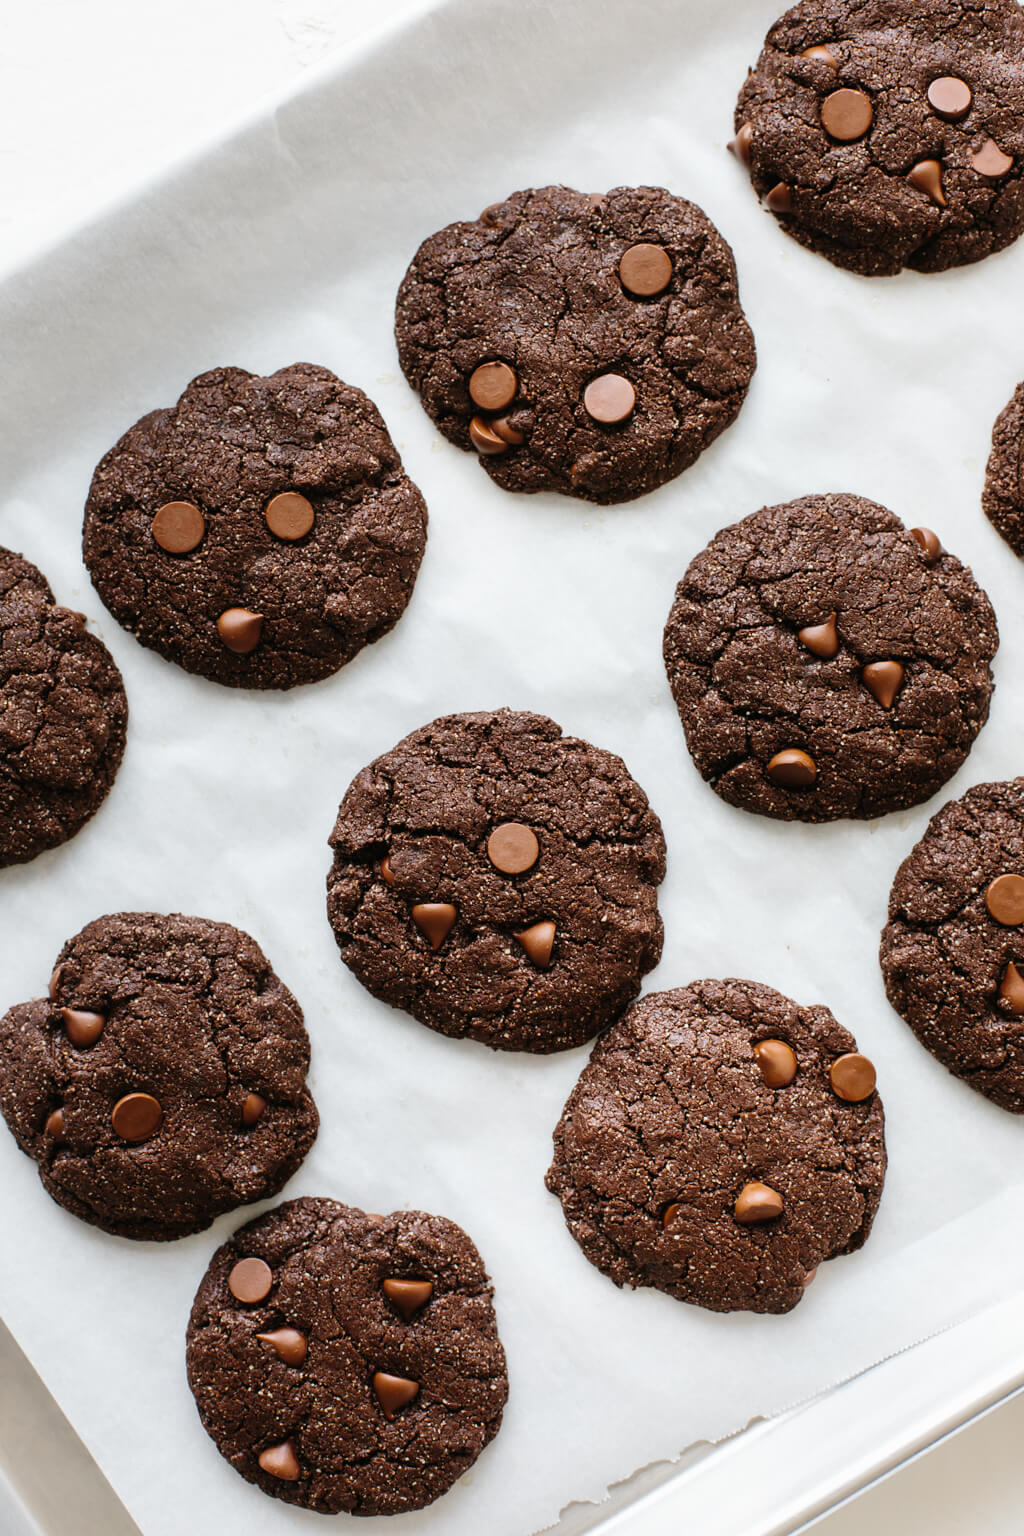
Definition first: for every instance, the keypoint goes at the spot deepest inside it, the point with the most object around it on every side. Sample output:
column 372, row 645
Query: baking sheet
column 288, row 242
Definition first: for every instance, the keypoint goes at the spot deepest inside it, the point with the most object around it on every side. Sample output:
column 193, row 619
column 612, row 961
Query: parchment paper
column 288, row 242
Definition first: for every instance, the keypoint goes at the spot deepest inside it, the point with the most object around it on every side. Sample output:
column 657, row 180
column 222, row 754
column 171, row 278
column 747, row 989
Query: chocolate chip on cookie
column 363, row 1372
column 260, row 532
column 826, row 662
column 519, row 904
column 589, row 345
column 719, row 1146
column 162, row 1082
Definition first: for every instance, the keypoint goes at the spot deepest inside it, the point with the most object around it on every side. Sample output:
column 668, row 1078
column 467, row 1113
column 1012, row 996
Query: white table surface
column 97, row 97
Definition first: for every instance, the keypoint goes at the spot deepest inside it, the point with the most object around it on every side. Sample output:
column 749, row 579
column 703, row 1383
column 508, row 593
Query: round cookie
column 261, row 532
column 162, row 1081
column 826, row 662
column 721, row 1143
column 63, row 716
column 583, row 344
column 890, row 133
column 498, row 880
column 952, row 952
column 348, row 1362
column 1003, row 496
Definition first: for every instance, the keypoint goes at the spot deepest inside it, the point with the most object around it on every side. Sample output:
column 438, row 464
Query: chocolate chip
column 493, row 386
column 884, row 679
column 504, row 429
column 1011, row 990
column 54, row 983
column 178, row 527
column 1005, row 900
column 822, row 639
column 54, row 1127
column 513, row 847
column 780, row 198
column 538, row 942
column 250, row 1280
column 288, row 1344
column 136, row 1116
column 645, row 270
column 793, row 769
column 280, row 1461
column 809, row 1277
column 609, row 398
column 757, row 1202
column 485, row 439
column 926, row 176
column 669, row 1214
column 990, row 160
column 821, row 55
column 394, row 1392
column 928, row 543
column 253, row 1108
column 387, row 874
column 777, row 1061
column 81, row 1026
column 435, row 920
column 289, row 516
column 950, row 97
column 740, row 145
column 847, row 115
column 240, row 630
column 409, row 1296
column 852, row 1077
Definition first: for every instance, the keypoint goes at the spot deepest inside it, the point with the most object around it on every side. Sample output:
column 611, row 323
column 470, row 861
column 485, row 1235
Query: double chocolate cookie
column 721, row 1143
column 348, row 1362
column 261, row 532
column 498, row 880
column 890, row 133
column 826, row 662
column 63, row 716
column 592, row 345
column 1003, row 497
column 162, row 1081
column 952, row 951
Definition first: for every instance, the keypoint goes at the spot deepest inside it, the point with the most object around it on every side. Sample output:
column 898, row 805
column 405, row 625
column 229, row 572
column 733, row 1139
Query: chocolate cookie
column 498, row 880
column 826, row 662
column 890, row 133
column 348, row 1362
column 1003, row 497
column 721, row 1143
column 162, row 1081
column 953, row 949
column 261, row 532
column 63, row 716
column 589, row 345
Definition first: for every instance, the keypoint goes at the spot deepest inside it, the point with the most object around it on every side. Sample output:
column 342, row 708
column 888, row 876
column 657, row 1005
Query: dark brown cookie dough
column 890, row 133
column 1003, row 497
column 348, row 1362
column 583, row 344
column 827, row 662
column 499, row 881
column 261, row 532
column 63, row 716
column 952, row 951
column 162, row 1081
column 721, row 1143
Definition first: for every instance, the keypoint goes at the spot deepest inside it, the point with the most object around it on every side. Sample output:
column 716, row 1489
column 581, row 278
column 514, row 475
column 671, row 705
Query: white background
column 94, row 99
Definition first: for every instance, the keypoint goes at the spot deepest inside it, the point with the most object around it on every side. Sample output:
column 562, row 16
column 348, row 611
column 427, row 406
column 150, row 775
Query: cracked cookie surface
column 826, row 662
column 162, row 1082
column 498, row 880
column 952, row 954
column 673, row 1130
column 553, row 293
column 1003, row 497
column 261, row 532
column 63, row 716
column 890, row 133
column 288, row 1381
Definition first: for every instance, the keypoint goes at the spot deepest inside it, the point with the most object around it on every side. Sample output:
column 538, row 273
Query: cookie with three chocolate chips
column 592, row 345
column 342, row 1361
column 499, row 881
column 721, row 1143
column 163, row 1079
column 952, row 952
column 827, row 662
column 890, row 133
column 260, row 532
column 1003, row 496
column 63, row 716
